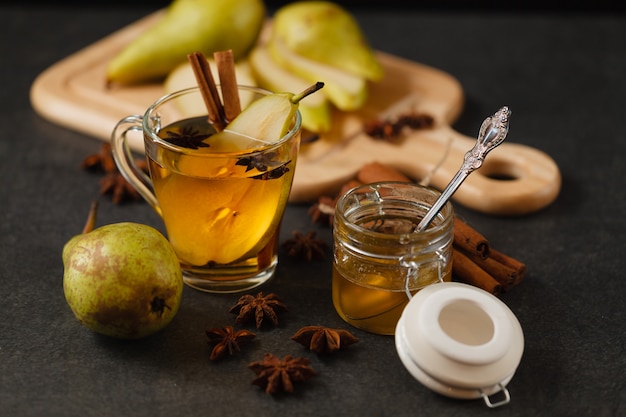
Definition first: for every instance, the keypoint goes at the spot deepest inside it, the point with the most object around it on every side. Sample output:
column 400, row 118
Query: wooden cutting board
column 515, row 179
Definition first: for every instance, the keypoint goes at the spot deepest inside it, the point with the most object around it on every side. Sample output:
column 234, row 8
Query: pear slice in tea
column 263, row 122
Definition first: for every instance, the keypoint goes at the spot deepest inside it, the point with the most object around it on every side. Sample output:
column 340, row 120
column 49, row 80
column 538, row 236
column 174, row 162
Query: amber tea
column 221, row 209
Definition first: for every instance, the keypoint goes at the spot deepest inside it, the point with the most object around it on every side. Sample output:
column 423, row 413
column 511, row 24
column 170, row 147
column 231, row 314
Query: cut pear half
column 315, row 109
column 346, row 91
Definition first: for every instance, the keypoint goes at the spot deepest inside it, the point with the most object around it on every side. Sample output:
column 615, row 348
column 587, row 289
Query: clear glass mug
column 379, row 261
column 222, row 208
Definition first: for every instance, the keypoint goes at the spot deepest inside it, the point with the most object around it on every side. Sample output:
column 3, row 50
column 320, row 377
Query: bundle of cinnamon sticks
column 219, row 113
column 474, row 261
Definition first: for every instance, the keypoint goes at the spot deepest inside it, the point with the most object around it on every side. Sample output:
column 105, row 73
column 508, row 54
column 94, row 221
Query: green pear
column 122, row 280
column 315, row 109
column 263, row 122
column 187, row 26
column 345, row 90
column 325, row 32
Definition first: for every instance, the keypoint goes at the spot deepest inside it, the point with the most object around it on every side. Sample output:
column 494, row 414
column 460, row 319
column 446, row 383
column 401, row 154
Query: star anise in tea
column 262, row 162
column 258, row 308
column 275, row 375
column 227, row 340
column 322, row 339
column 188, row 137
column 305, row 246
column 273, row 174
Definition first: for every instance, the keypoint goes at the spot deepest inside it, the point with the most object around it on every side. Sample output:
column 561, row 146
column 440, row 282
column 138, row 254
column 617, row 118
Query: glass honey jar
column 379, row 260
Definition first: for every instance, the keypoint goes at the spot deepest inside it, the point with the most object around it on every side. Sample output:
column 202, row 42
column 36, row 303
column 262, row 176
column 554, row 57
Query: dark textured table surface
column 564, row 78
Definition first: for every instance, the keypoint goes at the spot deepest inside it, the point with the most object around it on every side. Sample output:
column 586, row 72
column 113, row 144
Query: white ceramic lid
column 459, row 340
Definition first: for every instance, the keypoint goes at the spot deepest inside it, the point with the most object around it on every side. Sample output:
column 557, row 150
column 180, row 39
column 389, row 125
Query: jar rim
column 445, row 215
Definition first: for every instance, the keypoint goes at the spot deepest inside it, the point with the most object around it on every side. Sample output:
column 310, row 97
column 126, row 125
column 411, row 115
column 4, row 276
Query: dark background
column 490, row 6
column 563, row 76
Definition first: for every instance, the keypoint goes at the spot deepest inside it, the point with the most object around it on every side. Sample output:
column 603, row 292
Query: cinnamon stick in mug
column 225, row 63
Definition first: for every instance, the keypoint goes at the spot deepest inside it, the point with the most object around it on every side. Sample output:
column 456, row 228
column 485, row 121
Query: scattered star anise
column 113, row 182
column 187, row 138
column 305, row 246
column 390, row 129
column 323, row 211
column 276, row 375
column 116, row 185
column 322, row 339
column 226, row 339
column 258, row 308
column 101, row 161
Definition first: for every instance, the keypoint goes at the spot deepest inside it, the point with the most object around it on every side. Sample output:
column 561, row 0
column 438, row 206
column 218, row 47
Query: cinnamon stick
column 206, row 83
column 516, row 269
column 470, row 273
column 376, row 172
column 505, row 275
column 346, row 187
column 469, row 239
column 225, row 62
column 505, row 269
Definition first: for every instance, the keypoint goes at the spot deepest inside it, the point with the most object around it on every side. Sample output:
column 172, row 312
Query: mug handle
column 124, row 159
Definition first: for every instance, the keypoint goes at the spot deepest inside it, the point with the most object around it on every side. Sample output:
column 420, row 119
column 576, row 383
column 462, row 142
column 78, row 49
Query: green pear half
column 187, row 26
column 345, row 90
column 315, row 109
column 325, row 32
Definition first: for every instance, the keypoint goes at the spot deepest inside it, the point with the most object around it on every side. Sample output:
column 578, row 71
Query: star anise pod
column 276, row 375
column 101, row 161
column 273, row 174
column 262, row 162
column 305, row 246
column 116, row 185
column 113, row 182
column 187, row 138
column 258, row 308
column 322, row 339
column 226, row 339
column 323, row 211
column 390, row 129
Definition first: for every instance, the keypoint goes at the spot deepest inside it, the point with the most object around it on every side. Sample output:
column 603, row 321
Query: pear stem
column 297, row 97
column 91, row 217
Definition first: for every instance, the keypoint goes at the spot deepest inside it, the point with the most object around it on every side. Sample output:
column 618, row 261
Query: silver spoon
column 492, row 133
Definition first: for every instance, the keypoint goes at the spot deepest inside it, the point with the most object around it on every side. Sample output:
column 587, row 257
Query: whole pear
column 325, row 32
column 187, row 26
column 122, row 280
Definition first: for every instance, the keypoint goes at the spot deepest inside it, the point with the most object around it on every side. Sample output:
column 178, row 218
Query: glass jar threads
column 379, row 260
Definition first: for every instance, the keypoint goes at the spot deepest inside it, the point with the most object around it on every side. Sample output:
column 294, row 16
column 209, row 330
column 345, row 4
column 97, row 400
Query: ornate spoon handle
column 492, row 133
